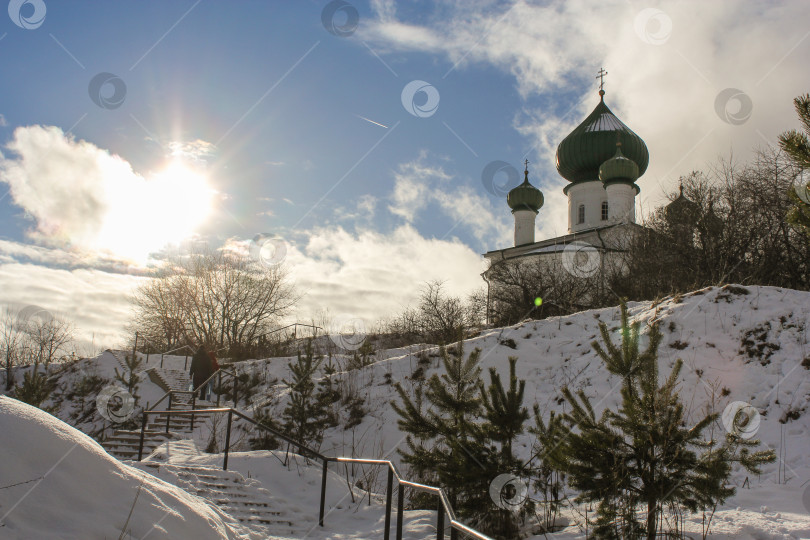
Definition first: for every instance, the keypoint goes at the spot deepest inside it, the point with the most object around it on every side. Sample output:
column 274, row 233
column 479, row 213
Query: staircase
column 124, row 443
column 170, row 379
column 244, row 499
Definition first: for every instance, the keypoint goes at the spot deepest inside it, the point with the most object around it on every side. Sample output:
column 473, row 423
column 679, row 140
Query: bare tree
column 476, row 308
column 736, row 233
column 215, row 298
column 49, row 338
column 34, row 337
column 442, row 318
column 539, row 287
column 10, row 340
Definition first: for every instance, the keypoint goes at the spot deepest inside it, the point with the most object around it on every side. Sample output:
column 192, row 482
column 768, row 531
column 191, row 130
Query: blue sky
column 275, row 119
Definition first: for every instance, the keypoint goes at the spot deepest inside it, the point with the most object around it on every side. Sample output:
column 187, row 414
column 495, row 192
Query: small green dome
column 525, row 196
column 618, row 168
column 593, row 142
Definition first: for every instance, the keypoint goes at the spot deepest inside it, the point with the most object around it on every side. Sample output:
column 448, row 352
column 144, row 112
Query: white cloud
column 80, row 195
column 666, row 93
column 367, row 205
column 96, row 301
column 3, row 122
column 418, row 184
column 365, row 209
column 366, row 274
column 372, row 275
column 197, row 151
column 11, row 251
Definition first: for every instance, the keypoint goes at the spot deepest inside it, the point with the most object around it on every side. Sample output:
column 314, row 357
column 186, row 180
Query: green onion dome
column 525, row 196
column 593, row 142
column 618, row 169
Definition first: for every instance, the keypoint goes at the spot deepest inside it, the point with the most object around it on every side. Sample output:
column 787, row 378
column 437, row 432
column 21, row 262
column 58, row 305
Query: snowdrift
column 59, row 483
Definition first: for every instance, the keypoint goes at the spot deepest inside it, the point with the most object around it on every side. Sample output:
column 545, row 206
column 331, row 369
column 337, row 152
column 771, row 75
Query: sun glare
column 147, row 215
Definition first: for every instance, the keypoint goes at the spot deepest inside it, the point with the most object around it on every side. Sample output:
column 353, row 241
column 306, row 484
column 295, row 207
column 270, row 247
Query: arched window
column 581, row 214
column 604, row 211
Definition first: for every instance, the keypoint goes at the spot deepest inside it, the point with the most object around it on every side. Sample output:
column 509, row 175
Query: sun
column 187, row 200
column 146, row 215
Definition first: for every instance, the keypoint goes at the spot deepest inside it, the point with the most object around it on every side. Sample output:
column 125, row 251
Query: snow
column 295, row 490
column 76, row 490
column 739, row 344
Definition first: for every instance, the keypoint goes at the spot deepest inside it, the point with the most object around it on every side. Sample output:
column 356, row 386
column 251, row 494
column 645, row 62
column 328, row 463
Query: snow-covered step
column 244, row 499
column 170, row 379
column 124, row 444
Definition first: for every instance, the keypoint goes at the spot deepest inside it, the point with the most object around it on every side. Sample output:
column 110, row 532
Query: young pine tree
column 643, row 456
column 35, row 389
column 797, row 145
column 548, row 481
column 128, row 377
column 438, row 436
column 448, row 444
column 304, row 414
column 492, row 443
column 328, row 394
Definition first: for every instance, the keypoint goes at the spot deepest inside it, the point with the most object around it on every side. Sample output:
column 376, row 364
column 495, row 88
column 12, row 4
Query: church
column 601, row 159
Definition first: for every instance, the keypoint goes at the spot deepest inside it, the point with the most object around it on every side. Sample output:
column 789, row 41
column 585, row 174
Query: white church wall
column 592, row 195
column 621, row 203
column 524, row 226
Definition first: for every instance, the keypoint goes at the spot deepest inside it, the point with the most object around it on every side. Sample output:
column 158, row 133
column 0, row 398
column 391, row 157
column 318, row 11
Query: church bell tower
column 525, row 202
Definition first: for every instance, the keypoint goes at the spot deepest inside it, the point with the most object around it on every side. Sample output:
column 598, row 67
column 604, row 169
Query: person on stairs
column 201, row 369
column 214, row 368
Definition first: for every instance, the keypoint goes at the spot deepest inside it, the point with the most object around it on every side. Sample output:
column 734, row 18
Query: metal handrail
column 175, row 350
column 168, row 394
column 444, row 507
column 214, row 374
column 444, row 501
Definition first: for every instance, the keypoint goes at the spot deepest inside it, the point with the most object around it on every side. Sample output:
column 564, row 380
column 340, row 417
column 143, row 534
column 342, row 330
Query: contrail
column 372, row 121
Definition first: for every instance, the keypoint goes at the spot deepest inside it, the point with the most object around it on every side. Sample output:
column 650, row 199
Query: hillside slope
column 738, row 344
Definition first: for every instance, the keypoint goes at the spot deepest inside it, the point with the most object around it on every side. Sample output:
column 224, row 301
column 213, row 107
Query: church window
column 604, row 211
column 581, row 214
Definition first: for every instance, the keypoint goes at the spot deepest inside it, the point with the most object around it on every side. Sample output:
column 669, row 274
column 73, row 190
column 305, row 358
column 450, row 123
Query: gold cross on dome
column 601, row 77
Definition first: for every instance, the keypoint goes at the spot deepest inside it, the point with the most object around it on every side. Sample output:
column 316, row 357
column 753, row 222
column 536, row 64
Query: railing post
column 400, row 508
column 219, row 387
column 161, row 360
column 235, row 386
column 323, row 492
column 140, row 445
column 185, row 364
column 168, row 414
column 453, row 533
column 193, row 405
column 227, row 439
column 388, row 493
column 440, row 522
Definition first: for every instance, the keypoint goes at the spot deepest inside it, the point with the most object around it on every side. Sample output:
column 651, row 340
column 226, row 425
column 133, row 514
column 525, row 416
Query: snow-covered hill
column 738, row 344
column 749, row 344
